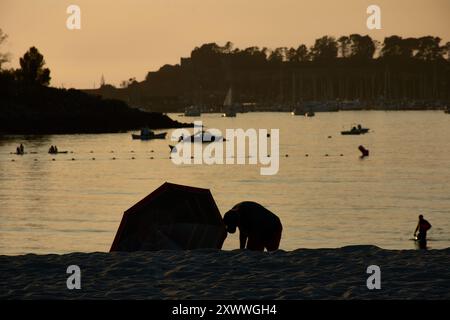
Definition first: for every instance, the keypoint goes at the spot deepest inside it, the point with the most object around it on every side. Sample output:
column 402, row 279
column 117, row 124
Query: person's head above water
column 421, row 217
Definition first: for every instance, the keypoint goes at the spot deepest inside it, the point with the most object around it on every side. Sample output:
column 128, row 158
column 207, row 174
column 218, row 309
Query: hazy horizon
column 127, row 39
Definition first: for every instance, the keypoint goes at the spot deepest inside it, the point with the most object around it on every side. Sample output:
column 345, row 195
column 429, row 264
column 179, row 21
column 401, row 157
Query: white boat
column 230, row 110
column 192, row 111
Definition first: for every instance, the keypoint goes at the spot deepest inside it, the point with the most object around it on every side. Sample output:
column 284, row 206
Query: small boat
column 54, row 150
column 310, row 114
column 192, row 111
column 355, row 130
column 147, row 134
column 203, row 137
column 351, row 132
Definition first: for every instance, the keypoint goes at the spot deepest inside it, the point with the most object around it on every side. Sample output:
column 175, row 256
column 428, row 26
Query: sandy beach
column 211, row 274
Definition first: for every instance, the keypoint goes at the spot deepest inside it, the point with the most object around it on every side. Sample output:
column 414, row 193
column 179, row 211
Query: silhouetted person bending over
column 258, row 227
column 423, row 226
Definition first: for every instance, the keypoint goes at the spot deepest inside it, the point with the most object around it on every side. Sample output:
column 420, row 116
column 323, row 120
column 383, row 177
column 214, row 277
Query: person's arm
column 242, row 239
column 417, row 229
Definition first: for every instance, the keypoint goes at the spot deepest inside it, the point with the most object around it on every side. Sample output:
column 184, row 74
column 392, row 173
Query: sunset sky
column 128, row 38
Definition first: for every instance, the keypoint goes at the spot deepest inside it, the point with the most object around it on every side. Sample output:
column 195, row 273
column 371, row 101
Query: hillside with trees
column 29, row 106
column 403, row 73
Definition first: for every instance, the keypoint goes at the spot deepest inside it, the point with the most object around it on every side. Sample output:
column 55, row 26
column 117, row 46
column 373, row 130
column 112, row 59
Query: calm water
column 64, row 206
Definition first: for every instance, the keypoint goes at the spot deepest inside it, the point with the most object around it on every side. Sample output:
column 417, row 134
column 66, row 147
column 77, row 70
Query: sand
column 211, row 274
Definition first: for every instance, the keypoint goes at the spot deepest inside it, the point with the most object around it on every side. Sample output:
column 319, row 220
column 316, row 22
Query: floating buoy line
column 132, row 155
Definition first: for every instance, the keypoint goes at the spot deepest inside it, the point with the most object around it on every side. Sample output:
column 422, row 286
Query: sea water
column 324, row 193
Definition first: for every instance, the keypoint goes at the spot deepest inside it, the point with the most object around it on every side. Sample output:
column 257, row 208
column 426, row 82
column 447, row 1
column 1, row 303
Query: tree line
column 354, row 67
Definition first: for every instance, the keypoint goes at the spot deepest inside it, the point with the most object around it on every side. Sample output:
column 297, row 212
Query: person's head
column 420, row 217
column 231, row 220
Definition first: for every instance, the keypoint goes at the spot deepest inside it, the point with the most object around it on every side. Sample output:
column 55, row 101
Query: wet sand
column 211, row 274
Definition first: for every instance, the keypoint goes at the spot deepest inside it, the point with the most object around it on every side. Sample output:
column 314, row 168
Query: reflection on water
column 70, row 205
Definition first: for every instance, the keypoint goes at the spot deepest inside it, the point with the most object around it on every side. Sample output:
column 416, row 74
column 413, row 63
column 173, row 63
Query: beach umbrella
column 171, row 217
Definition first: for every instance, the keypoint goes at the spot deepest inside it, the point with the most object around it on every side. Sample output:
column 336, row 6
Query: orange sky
column 126, row 38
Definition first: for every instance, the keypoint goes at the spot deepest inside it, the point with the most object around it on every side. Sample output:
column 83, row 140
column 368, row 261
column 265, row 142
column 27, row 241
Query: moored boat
column 147, row 134
column 203, row 137
column 355, row 130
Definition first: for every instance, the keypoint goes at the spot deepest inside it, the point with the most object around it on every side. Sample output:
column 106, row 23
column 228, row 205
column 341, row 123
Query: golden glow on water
column 64, row 206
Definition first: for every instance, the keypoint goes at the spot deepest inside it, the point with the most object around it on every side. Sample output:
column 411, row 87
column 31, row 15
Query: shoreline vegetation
column 339, row 273
column 352, row 72
column 42, row 110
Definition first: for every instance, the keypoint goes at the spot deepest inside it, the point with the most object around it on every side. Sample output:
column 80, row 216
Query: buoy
column 342, row 155
column 151, row 158
column 364, row 151
column 92, row 151
column 114, row 158
column 132, row 151
column 53, row 159
column 286, row 155
column 132, row 158
column 326, row 154
column 306, row 155
column 13, row 160
column 93, row 158
column 35, row 159
column 329, row 137
column 112, row 151
column 151, row 151
column 73, row 159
